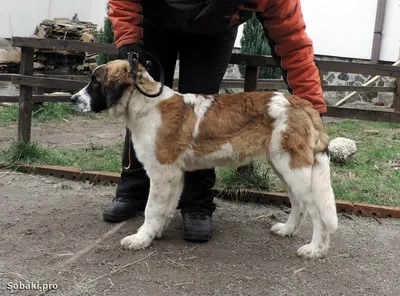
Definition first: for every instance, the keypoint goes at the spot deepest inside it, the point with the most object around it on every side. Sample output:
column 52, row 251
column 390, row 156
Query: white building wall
column 345, row 28
column 342, row 28
column 391, row 32
column 20, row 17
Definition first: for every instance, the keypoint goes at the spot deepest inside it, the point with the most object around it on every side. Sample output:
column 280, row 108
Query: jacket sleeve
column 291, row 47
column 126, row 18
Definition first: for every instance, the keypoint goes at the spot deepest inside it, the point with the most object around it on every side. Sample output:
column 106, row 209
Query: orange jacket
column 284, row 27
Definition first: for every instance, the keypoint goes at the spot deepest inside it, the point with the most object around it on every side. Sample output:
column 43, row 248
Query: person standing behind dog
column 203, row 33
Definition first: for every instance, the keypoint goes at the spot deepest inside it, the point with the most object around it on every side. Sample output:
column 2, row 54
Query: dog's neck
column 134, row 107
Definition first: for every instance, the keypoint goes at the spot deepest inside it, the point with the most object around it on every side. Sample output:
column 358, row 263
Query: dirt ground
column 78, row 132
column 45, row 221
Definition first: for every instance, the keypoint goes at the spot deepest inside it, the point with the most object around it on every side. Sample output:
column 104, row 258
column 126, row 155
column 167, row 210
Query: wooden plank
column 53, row 83
column 251, row 60
column 325, row 66
column 359, row 68
column 379, row 20
column 37, row 99
column 25, row 97
column 77, row 83
column 67, row 45
column 358, row 88
column 67, row 77
column 8, row 77
column 361, row 114
column 38, row 90
column 396, row 97
column 281, row 85
column 251, row 78
column 261, row 84
column 226, row 83
column 370, row 81
column 5, row 77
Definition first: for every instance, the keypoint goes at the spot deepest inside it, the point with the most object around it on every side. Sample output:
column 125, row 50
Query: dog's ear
column 146, row 82
column 116, row 78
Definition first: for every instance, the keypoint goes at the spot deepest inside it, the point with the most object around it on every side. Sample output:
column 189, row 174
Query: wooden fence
column 28, row 81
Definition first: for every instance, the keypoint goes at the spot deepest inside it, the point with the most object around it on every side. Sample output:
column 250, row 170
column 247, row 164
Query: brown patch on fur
column 176, row 131
column 240, row 119
column 304, row 140
column 118, row 71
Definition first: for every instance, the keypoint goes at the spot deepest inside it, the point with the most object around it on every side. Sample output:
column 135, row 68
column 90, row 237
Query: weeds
column 372, row 176
column 41, row 113
column 94, row 157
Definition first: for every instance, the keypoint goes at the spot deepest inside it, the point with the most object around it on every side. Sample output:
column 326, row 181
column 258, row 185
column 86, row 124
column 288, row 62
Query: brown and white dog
column 175, row 132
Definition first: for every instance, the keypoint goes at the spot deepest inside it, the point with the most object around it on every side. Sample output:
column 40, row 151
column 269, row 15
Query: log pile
column 67, row 29
column 63, row 62
column 47, row 61
column 9, row 57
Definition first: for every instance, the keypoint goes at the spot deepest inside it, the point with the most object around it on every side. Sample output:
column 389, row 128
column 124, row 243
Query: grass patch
column 259, row 177
column 93, row 157
column 370, row 177
column 41, row 113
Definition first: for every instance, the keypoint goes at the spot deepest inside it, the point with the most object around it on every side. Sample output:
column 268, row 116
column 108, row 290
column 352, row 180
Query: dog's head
column 108, row 85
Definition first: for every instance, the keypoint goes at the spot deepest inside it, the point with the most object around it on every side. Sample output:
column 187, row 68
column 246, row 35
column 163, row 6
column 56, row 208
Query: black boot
column 197, row 205
column 121, row 209
column 197, row 227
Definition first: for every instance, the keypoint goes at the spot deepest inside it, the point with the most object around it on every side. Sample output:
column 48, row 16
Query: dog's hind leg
column 166, row 186
column 322, row 209
column 299, row 181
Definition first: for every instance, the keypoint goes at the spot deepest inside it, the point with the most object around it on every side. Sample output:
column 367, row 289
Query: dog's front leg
column 165, row 189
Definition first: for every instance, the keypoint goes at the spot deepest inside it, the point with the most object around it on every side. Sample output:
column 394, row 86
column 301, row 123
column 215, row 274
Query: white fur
column 223, row 157
column 309, row 188
column 83, row 103
column 201, row 105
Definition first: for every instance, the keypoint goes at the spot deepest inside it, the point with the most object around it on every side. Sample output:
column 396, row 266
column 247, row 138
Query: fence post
column 25, row 97
column 250, row 84
column 251, row 78
column 396, row 97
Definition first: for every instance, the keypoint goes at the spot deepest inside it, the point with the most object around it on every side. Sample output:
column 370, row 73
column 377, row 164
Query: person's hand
column 134, row 47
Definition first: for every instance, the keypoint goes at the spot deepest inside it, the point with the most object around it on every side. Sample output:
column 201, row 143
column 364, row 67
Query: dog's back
column 235, row 129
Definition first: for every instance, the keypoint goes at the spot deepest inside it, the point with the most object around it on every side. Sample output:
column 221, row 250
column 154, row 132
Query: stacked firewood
column 64, row 62
column 66, row 29
column 9, row 57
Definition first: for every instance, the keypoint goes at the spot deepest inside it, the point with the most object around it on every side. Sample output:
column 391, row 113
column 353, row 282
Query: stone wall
column 367, row 100
column 359, row 99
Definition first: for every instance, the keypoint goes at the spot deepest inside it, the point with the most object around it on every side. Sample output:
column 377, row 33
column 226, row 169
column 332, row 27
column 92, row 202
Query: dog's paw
column 135, row 242
column 312, row 251
column 283, row 229
column 158, row 235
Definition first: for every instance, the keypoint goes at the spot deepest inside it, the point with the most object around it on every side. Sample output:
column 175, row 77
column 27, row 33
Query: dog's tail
column 322, row 191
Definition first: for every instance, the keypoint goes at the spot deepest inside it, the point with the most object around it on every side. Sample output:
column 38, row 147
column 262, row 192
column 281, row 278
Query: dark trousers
column 203, row 61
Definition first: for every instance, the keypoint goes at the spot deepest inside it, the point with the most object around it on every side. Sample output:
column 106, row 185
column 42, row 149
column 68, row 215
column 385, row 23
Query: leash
column 133, row 59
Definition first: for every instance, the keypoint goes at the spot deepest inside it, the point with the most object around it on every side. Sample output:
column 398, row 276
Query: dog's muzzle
column 74, row 99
